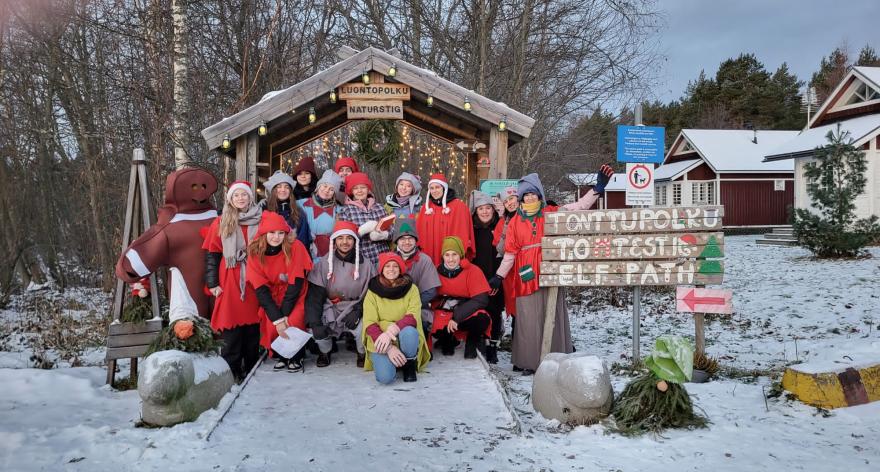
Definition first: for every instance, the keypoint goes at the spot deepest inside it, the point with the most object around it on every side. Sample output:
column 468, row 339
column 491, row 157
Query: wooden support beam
column 438, row 123
column 497, row 154
column 549, row 321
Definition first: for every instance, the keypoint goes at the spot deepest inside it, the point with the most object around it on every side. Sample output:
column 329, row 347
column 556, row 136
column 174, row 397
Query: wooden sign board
column 612, row 273
column 383, row 91
column 633, row 246
column 703, row 300
column 375, row 109
column 634, row 220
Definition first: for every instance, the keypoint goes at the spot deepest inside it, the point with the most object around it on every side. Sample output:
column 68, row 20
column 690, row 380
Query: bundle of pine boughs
column 643, row 407
column 137, row 310
column 188, row 335
column 657, row 400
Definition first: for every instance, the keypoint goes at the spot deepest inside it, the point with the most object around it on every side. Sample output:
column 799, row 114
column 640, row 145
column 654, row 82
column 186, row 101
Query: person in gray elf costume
column 419, row 266
column 337, row 285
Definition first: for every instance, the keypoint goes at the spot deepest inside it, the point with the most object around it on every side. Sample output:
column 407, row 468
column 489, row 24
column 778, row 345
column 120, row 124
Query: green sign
column 493, row 186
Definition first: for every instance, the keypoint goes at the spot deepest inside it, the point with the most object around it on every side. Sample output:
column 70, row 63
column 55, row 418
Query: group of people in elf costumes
column 315, row 255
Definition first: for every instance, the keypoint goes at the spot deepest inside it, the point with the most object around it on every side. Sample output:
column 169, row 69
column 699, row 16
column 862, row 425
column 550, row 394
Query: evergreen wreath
column 369, row 138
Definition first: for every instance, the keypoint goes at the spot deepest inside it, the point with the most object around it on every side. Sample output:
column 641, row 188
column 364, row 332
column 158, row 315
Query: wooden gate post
column 138, row 201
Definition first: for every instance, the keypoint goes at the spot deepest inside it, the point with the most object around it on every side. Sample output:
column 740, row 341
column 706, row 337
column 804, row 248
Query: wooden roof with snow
column 286, row 111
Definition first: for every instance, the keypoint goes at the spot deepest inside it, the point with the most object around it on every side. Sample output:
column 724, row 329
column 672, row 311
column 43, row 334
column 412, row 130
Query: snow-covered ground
column 788, row 307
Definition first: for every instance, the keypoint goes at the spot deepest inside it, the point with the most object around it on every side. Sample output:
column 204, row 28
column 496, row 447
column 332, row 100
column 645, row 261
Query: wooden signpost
column 376, row 101
column 633, row 247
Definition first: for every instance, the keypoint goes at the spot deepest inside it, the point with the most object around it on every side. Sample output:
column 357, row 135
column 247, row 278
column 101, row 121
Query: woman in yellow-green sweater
column 392, row 323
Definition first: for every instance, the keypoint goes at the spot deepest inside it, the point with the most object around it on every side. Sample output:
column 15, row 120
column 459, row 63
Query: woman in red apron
column 277, row 270
column 459, row 309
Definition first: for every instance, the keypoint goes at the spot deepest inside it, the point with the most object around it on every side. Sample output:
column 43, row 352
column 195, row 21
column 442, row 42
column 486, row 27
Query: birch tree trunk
column 181, row 95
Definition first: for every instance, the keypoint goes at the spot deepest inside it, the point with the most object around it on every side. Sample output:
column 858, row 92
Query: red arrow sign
column 700, row 300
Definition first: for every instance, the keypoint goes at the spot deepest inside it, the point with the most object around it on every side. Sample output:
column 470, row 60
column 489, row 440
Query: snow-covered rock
column 177, row 386
column 572, row 388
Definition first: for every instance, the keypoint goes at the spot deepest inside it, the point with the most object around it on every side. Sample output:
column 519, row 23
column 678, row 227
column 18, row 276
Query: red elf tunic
column 507, row 284
column 435, row 225
column 277, row 274
column 230, row 310
column 523, row 238
column 467, row 284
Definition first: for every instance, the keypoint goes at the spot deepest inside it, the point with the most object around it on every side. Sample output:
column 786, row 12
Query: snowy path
column 335, row 417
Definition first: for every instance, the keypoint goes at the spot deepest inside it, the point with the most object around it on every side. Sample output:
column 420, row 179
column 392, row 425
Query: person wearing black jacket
column 485, row 220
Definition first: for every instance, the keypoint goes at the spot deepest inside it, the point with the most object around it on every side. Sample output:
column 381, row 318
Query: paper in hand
column 286, row 348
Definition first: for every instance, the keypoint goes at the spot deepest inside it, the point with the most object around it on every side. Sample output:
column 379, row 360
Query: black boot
column 409, row 371
column 361, row 358
column 323, row 360
column 492, row 351
column 474, row 342
column 446, row 343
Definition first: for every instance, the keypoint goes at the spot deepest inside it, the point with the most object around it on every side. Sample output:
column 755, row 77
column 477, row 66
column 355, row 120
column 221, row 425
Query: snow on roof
column 727, row 150
column 870, row 73
column 671, row 171
column 803, row 144
column 616, row 182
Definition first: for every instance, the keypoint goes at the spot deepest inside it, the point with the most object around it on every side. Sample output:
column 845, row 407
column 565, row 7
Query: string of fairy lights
column 420, row 153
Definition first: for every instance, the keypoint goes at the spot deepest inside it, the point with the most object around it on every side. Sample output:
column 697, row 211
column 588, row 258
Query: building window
column 863, row 93
column 676, row 194
column 660, row 195
column 703, row 193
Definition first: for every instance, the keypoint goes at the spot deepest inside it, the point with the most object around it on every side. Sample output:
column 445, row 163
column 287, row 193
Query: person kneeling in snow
column 277, row 268
column 336, row 291
column 392, row 326
column 459, row 309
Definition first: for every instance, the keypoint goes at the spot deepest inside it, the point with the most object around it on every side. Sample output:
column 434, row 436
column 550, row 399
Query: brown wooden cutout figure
column 176, row 238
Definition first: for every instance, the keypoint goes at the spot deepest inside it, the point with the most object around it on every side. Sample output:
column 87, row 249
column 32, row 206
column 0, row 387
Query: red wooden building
column 724, row 167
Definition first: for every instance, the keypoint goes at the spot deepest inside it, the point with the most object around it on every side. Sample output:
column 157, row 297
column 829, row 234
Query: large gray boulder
column 572, row 388
column 178, row 386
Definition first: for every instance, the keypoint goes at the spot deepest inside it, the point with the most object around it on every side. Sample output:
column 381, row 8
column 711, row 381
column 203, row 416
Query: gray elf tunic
column 344, row 293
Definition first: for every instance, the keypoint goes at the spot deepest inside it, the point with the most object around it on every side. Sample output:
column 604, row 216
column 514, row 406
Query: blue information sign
column 640, row 144
column 493, row 186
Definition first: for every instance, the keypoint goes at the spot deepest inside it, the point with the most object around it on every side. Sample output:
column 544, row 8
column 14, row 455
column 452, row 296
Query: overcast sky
column 701, row 34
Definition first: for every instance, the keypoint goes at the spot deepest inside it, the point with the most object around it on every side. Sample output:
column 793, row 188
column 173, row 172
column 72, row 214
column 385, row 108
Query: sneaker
column 295, row 365
column 323, row 360
column 280, row 365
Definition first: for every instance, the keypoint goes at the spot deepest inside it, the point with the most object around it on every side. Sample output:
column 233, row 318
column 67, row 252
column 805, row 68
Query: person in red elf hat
column 460, row 306
column 236, row 309
column 337, row 284
column 277, row 270
column 443, row 215
column 362, row 209
column 345, row 166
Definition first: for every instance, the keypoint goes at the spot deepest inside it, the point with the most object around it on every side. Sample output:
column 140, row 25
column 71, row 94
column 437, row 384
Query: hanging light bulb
column 392, row 71
column 429, row 101
column 312, row 116
column 333, row 96
column 467, row 104
column 365, row 77
column 263, row 129
column 226, row 144
column 502, row 125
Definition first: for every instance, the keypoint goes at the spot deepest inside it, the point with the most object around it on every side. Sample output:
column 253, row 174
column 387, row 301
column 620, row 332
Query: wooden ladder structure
column 131, row 340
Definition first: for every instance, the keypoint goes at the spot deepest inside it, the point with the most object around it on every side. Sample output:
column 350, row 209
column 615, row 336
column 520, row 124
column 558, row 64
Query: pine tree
column 831, row 71
column 830, row 228
column 868, row 57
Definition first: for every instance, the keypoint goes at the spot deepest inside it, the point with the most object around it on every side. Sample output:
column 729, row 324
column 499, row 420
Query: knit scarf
column 324, row 203
column 394, row 292
column 234, row 245
column 407, row 254
column 532, row 209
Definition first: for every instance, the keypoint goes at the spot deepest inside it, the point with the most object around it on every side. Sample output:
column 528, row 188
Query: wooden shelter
column 259, row 135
